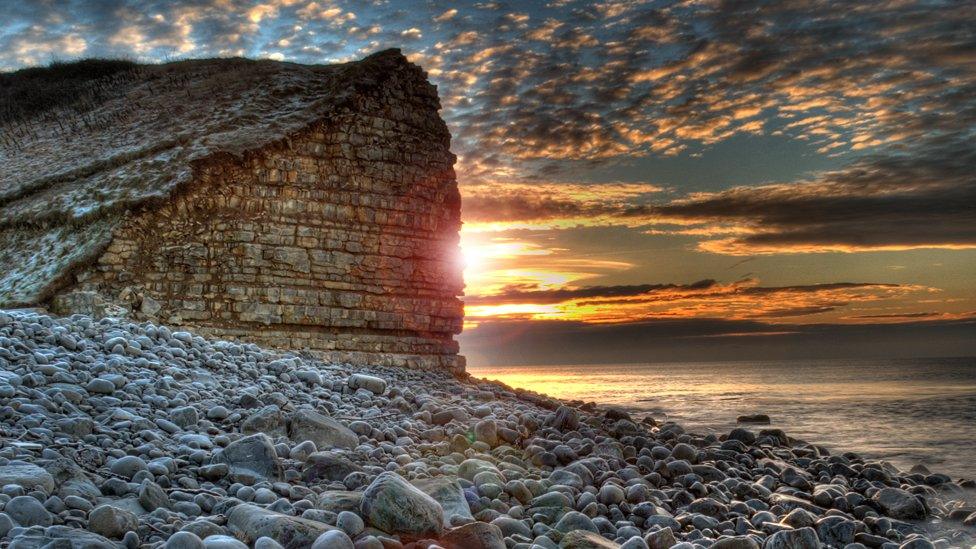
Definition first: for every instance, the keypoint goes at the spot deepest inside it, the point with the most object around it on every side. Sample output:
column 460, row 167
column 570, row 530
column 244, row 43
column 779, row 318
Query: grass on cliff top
column 28, row 92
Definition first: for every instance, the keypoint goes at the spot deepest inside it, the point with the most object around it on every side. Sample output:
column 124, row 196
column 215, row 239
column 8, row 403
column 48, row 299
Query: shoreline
column 911, row 415
column 124, row 434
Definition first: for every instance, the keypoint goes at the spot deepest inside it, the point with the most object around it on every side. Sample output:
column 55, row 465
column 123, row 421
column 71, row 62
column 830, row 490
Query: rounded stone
column 221, row 541
column 350, row 523
column 100, row 386
column 128, row 466
column 264, row 542
column 333, row 539
column 373, row 384
column 27, row 511
column 393, row 505
column 112, row 522
column 184, row 540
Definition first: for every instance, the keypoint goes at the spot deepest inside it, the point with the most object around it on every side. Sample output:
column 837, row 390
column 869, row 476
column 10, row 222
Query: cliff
column 301, row 207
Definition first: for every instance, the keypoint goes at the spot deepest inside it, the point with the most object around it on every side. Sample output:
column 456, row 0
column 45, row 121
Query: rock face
column 299, row 207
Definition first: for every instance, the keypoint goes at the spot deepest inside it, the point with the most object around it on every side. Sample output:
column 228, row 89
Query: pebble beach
column 118, row 434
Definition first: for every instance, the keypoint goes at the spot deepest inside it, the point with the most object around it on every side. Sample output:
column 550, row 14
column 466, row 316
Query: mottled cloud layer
column 532, row 91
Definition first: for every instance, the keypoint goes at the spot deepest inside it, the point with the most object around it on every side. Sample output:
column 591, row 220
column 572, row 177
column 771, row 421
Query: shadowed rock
column 393, row 505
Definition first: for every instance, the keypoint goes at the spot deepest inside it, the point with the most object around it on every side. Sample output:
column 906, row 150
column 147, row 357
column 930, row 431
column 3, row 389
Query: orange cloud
column 741, row 300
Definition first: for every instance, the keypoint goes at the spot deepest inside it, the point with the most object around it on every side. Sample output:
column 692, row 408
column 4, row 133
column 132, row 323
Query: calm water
column 906, row 411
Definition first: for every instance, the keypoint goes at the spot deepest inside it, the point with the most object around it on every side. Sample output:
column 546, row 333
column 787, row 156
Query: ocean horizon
column 906, row 411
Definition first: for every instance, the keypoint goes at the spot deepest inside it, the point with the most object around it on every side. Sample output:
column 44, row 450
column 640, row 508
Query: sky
column 653, row 181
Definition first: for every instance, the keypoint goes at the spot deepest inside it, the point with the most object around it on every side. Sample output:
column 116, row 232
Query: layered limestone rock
column 338, row 236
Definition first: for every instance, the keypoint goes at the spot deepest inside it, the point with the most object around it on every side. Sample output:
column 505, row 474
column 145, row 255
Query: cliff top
column 133, row 133
column 82, row 143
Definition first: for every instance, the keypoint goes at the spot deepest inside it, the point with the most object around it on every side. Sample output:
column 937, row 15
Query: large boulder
column 71, row 480
column 448, row 493
column 801, row 538
column 474, row 535
column 583, row 539
column 899, row 504
column 64, row 536
column 250, row 458
column 112, row 522
column 328, row 466
column 30, row 477
column 250, row 522
column 28, row 511
column 268, row 420
column 324, row 431
column 395, row 506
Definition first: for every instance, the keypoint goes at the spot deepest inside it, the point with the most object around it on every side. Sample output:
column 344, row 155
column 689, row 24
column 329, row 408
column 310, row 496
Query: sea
column 906, row 411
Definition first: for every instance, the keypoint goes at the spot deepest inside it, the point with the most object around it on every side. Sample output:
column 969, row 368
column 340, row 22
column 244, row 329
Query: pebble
column 27, row 511
column 184, row 540
column 221, row 541
column 333, row 539
column 128, row 466
column 350, row 523
column 373, row 384
column 112, row 522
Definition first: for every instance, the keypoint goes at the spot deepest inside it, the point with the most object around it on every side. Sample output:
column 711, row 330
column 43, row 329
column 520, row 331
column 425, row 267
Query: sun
column 473, row 258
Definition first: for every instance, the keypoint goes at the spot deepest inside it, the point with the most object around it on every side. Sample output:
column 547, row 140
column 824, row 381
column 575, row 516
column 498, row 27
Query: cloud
column 446, row 16
column 597, row 81
column 413, row 33
column 922, row 199
column 501, row 205
column 742, row 299
column 520, row 295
